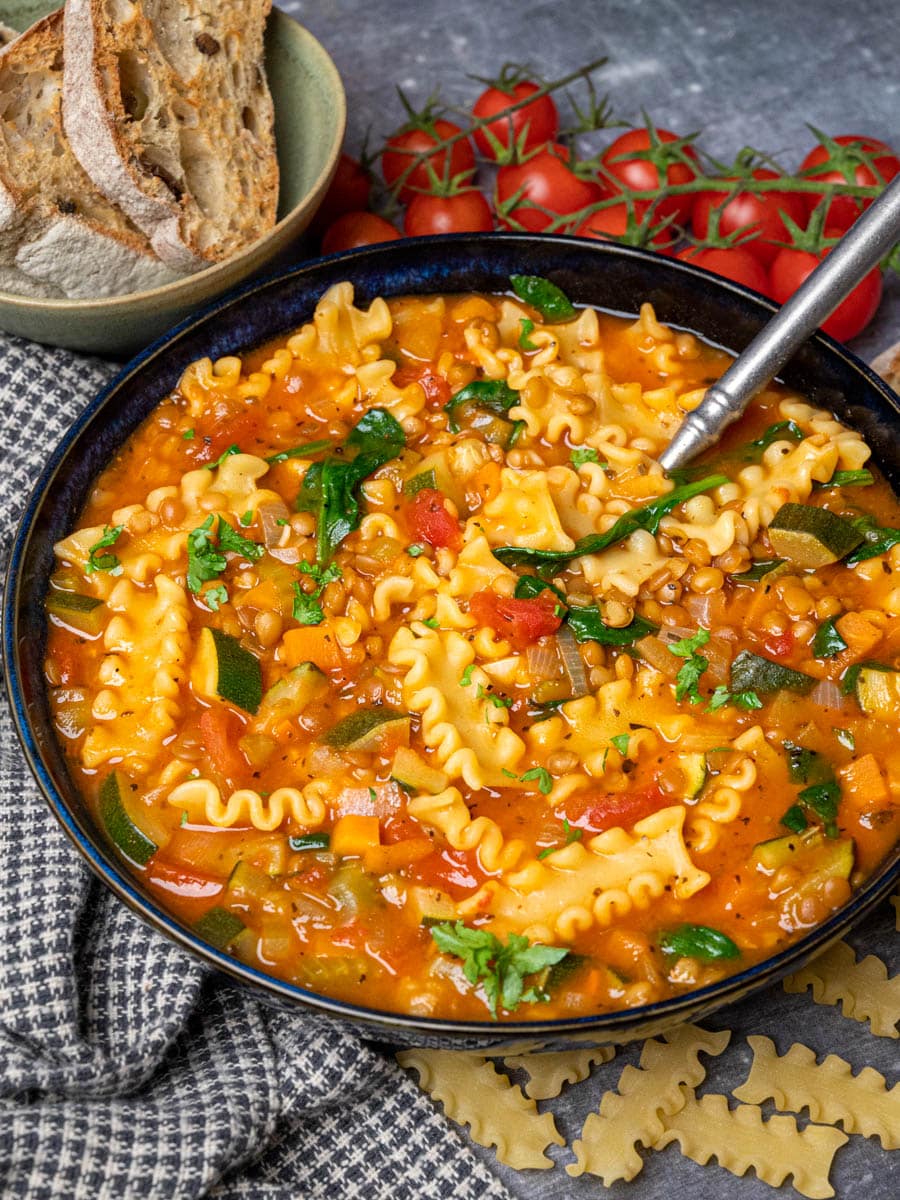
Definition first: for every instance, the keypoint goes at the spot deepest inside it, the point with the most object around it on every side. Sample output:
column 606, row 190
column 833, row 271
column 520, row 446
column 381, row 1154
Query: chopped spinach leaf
column 551, row 302
column 760, row 568
column 698, row 941
column 491, row 395
column 848, row 479
column 530, row 586
column 301, row 451
column 310, row 841
column 794, row 819
column 877, row 539
column 232, row 449
column 648, row 517
column 828, row 641
column 526, row 327
column 204, row 560
column 588, row 626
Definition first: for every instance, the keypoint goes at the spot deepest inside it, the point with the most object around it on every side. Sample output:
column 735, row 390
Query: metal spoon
column 859, row 250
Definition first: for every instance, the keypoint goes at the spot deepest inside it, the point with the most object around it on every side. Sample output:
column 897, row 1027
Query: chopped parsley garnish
column 189, row 435
column 204, row 560
column 306, row 608
column 695, row 664
column 215, row 597
column 500, row 968
column 466, row 678
column 247, row 518
column 620, row 742
column 230, row 539
column 543, row 777
column 105, row 562
column 415, row 550
column 432, row 622
column 572, row 835
column 722, row 696
column 846, row 738
column 584, row 454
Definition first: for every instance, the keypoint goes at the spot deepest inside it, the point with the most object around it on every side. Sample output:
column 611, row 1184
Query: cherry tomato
column 432, row 522
column 611, row 224
column 843, row 210
column 780, row 645
column 547, row 180
column 466, row 212
column 522, row 622
column 622, row 160
column 435, row 387
column 761, row 214
column 220, row 729
column 535, row 124
column 403, row 147
column 348, row 191
column 851, row 316
column 597, row 813
column 456, row 872
column 357, row 229
column 732, row 262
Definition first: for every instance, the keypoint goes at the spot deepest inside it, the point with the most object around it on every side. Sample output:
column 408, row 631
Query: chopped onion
column 700, row 608
column 286, row 554
column 573, row 662
column 270, row 514
column 827, row 695
column 543, row 660
column 380, row 801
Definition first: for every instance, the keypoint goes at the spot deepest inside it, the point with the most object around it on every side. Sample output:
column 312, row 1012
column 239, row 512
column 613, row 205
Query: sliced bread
column 167, row 108
column 59, row 236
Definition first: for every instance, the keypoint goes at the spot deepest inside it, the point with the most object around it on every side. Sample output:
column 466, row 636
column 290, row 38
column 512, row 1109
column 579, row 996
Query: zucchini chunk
column 125, row 835
column 424, row 479
column 368, row 729
column 219, row 927
column 224, row 670
column 812, row 537
column 87, row 614
column 290, row 696
column 828, row 858
column 878, row 692
column 414, row 774
column 694, row 769
column 753, row 673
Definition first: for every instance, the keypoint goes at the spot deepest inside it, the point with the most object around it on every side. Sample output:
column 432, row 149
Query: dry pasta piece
column 632, row 1116
column 474, row 1093
column 863, row 989
column 830, row 1090
column 739, row 1139
column 549, row 1073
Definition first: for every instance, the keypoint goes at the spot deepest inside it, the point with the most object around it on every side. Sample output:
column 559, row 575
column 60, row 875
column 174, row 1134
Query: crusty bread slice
column 59, row 236
column 167, row 107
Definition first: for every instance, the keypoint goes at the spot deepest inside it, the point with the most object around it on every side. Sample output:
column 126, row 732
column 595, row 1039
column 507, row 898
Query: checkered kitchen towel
column 126, row 1068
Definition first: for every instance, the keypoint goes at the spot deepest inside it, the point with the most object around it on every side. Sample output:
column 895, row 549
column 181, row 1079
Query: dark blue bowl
column 609, row 276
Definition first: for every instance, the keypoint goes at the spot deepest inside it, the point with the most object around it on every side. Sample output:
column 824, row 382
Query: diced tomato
column 400, row 829
column 241, row 430
column 522, row 622
column 220, row 729
column 435, row 387
column 596, row 813
column 780, row 645
column 456, row 872
column 431, row 521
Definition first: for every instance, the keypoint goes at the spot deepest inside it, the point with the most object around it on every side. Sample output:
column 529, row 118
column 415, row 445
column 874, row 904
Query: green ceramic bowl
column 310, row 113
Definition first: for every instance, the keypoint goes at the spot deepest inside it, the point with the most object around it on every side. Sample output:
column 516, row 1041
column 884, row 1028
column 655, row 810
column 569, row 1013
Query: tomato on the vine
column 546, row 179
column 532, row 125
column 761, row 214
column 348, row 192
column 791, row 267
column 465, row 212
column 608, row 224
column 641, row 161
column 845, row 167
column 731, row 262
column 446, row 163
column 357, row 229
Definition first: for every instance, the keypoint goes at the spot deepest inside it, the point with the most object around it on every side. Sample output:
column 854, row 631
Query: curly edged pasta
column 391, row 658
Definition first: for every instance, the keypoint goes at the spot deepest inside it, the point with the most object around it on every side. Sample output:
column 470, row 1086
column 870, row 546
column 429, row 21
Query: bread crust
column 58, row 235
column 173, row 121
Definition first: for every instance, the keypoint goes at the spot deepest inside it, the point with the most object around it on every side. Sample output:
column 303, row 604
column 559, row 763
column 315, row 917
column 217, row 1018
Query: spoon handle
column 860, row 249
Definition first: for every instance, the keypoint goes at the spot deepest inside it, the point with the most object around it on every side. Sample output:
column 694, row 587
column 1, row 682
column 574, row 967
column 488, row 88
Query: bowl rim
column 171, row 291
column 111, row 869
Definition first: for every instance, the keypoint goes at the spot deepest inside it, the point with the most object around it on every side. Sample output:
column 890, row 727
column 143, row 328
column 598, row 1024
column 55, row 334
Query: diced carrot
column 485, row 483
column 381, row 859
column 863, row 784
column 860, row 635
column 354, row 834
column 312, row 643
column 221, row 729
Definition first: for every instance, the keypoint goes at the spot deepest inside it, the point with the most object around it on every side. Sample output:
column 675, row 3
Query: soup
column 391, row 661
